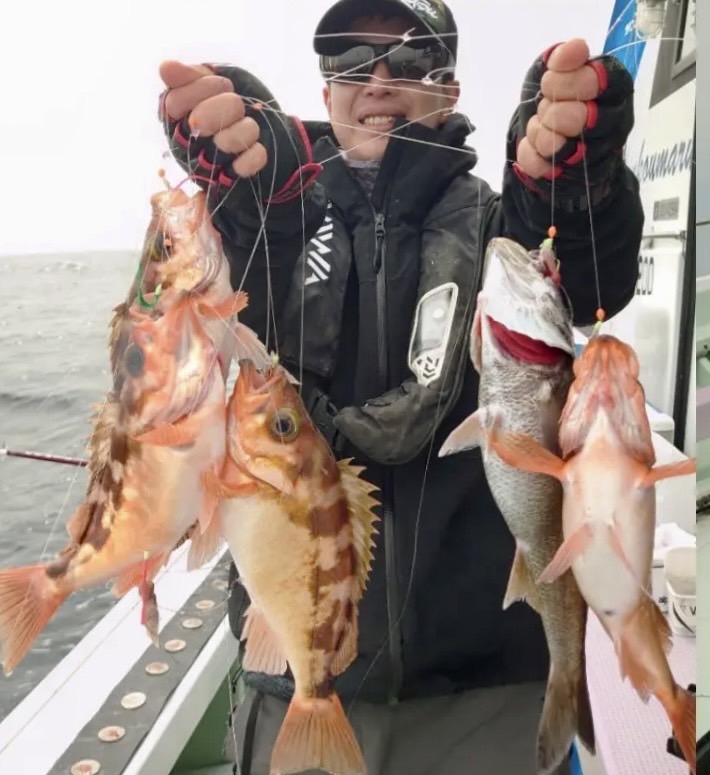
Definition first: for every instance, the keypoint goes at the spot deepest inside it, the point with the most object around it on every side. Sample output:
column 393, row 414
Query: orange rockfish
column 300, row 527
column 151, row 449
column 607, row 470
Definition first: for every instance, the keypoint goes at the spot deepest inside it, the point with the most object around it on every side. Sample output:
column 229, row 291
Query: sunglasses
column 357, row 63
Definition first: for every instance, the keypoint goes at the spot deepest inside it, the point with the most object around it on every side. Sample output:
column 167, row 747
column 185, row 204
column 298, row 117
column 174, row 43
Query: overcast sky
column 80, row 144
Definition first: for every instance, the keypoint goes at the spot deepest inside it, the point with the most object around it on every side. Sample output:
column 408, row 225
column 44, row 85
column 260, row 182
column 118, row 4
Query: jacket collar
column 417, row 166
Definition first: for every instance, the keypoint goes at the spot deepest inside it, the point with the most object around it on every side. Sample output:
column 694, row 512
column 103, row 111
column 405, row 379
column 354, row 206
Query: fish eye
column 134, row 360
column 285, row 425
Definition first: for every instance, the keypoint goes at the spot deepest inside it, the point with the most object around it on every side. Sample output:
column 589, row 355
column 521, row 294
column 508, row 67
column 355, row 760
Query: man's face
column 362, row 114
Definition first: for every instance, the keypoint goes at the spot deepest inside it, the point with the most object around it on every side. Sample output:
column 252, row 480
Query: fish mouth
column 186, row 246
column 527, row 311
column 521, row 347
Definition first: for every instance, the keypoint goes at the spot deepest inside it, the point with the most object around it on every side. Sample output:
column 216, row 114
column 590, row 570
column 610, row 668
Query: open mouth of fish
column 524, row 348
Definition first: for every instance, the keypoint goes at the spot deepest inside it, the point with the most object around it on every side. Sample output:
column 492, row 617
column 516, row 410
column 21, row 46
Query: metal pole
column 69, row 461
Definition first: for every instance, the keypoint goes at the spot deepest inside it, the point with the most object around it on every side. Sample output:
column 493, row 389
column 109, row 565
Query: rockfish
column 152, row 445
column 300, row 527
column 522, row 346
column 607, row 469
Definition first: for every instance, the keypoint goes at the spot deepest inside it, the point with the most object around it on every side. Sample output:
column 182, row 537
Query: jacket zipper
column 393, row 613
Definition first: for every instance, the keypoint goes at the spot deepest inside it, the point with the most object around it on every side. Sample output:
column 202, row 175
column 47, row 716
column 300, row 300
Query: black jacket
column 431, row 620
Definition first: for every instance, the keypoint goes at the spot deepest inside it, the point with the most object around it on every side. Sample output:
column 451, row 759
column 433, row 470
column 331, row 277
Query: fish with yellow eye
column 300, row 528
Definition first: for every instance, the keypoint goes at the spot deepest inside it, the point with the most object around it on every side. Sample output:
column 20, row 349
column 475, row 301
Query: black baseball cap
column 429, row 17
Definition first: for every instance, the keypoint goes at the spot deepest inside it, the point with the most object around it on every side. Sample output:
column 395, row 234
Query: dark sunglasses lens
column 403, row 62
column 354, row 64
column 416, row 63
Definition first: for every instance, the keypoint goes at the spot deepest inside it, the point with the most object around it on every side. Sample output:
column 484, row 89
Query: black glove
column 290, row 168
column 610, row 118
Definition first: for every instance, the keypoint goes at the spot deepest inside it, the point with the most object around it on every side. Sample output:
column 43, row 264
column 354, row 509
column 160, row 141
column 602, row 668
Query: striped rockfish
column 300, row 528
column 152, row 445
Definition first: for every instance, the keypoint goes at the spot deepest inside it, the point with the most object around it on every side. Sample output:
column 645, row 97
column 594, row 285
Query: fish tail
column 566, row 713
column 316, row 734
column 28, row 600
column 643, row 648
column 585, row 717
column 680, row 709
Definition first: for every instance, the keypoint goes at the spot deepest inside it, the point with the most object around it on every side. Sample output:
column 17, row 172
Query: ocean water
column 54, row 316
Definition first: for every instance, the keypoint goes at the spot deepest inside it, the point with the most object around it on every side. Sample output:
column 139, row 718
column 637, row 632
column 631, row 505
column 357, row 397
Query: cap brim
column 337, row 20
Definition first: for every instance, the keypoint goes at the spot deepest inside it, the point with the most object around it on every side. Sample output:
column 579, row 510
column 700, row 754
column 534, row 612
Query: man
column 374, row 316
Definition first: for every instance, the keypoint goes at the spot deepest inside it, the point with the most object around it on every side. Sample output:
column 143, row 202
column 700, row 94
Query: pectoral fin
column 226, row 309
column 471, row 433
column 522, row 451
column 572, row 548
column 178, row 435
column 679, row 468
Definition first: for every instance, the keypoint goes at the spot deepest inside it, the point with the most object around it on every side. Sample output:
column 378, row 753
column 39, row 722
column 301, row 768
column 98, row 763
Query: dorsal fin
column 360, row 507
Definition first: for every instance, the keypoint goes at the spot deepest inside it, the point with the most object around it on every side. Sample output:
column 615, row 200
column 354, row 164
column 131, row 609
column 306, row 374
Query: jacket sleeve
column 597, row 209
column 603, row 241
column 264, row 221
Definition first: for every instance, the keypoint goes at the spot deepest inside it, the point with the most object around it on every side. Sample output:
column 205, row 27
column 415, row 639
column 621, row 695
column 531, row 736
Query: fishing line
column 69, row 676
column 465, row 334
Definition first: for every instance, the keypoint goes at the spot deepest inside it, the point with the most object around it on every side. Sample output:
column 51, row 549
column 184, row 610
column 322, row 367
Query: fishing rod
column 68, row 461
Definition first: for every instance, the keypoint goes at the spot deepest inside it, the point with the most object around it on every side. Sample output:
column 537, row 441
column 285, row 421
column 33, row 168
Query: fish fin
column 571, row 548
column 360, row 505
column 204, row 544
column 28, row 600
column 645, row 627
column 150, row 617
column 134, row 576
column 207, row 518
column 618, row 548
column 560, row 718
column 521, row 584
column 668, row 470
column 223, row 490
column 248, row 346
column 471, row 433
column 522, row 451
column 316, row 735
column 681, row 711
column 585, row 717
column 232, row 305
column 262, row 652
column 79, row 522
column 347, row 651
column 176, row 435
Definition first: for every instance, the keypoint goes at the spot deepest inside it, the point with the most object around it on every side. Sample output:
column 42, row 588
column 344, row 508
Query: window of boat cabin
column 677, row 50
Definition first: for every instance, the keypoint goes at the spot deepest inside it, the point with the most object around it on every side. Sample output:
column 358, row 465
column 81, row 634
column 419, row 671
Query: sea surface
column 54, row 316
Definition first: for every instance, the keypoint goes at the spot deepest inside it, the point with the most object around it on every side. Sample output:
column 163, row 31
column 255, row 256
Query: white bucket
column 680, row 573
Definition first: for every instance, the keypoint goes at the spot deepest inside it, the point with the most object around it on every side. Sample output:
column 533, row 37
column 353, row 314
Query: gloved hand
column 241, row 133
column 576, row 108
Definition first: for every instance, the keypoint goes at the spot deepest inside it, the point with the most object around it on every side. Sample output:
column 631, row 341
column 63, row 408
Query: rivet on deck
column 111, row 734
column 205, row 605
column 175, row 645
column 133, row 700
column 191, row 623
column 86, row 767
column 157, row 668
column 220, row 584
